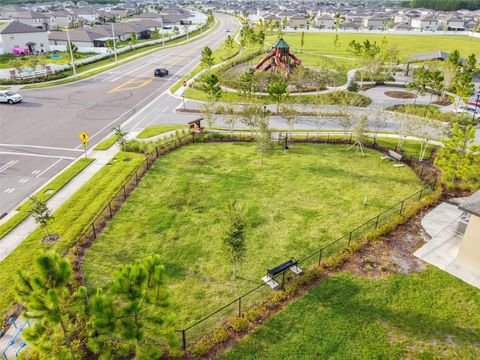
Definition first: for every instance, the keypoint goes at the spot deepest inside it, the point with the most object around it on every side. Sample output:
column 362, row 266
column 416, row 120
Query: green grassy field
column 44, row 194
column 69, row 222
column 294, row 204
column 107, row 143
column 407, row 45
column 155, row 130
column 427, row 315
column 64, row 58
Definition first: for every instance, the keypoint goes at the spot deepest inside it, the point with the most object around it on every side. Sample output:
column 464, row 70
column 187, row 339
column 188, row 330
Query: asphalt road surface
column 40, row 136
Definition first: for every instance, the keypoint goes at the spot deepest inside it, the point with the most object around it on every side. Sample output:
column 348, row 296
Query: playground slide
column 277, row 58
column 295, row 59
column 268, row 56
column 268, row 67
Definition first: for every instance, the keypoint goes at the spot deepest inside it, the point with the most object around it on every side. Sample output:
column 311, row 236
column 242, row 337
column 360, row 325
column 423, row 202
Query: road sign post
column 84, row 139
column 184, row 84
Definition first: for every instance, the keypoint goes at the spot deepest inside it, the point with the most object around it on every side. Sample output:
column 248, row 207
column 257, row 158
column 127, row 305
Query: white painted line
column 7, row 165
column 39, row 147
column 23, row 181
column 9, row 190
column 48, row 168
column 38, row 155
column 141, row 66
column 35, row 172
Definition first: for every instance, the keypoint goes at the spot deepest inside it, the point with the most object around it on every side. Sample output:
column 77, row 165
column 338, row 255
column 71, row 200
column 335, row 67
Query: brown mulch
column 400, row 94
column 443, row 101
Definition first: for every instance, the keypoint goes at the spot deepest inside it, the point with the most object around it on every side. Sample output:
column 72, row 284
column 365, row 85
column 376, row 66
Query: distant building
column 38, row 20
column 375, row 22
column 297, row 21
column 426, row 22
column 15, row 34
column 451, row 23
column 324, row 22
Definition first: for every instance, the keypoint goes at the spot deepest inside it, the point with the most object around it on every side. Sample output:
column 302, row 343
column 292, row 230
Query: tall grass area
column 293, row 204
column 69, row 221
column 427, row 315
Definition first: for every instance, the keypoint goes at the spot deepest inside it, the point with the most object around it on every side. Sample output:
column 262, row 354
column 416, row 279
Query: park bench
column 393, row 155
column 291, row 265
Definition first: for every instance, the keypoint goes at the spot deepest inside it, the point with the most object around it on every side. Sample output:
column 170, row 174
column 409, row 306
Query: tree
column 264, row 138
column 229, row 42
column 109, row 45
column 246, row 83
column 17, row 64
column 345, row 123
column 284, row 23
column 472, row 66
column 299, row 77
column 133, row 39
column 378, row 122
column 250, row 115
column 277, row 90
column 360, row 133
column 338, row 18
column 211, row 86
column 74, row 49
column 209, row 114
column 302, row 41
column 290, row 114
column 206, row 58
column 121, row 139
column 187, row 30
column 41, row 213
column 155, row 35
column 435, row 83
column 58, row 312
column 175, row 30
column 234, row 236
column 464, row 87
column 134, row 315
column 459, row 156
column 230, row 117
column 419, row 81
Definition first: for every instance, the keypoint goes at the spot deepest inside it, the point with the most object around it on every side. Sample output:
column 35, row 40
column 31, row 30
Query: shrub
column 33, row 80
column 239, row 324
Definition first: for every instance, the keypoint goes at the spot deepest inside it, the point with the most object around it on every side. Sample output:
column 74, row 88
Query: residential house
column 85, row 15
column 298, row 21
column 64, row 19
column 38, row 20
column 10, row 11
column 15, row 34
column 324, row 22
column 469, row 250
column 451, row 22
column 427, row 22
column 374, row 22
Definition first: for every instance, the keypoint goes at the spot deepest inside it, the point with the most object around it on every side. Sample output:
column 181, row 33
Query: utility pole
column 69, row 44
column 114, row 43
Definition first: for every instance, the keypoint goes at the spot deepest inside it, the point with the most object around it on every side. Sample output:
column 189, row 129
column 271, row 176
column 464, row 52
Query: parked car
column 474, row 102
column 161, row 72
column 10, row 97
column 467, row 110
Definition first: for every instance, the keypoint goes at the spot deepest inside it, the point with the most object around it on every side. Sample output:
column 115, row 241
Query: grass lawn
column 107, row 143
column 407, row 45
column 426, row 315
column 46, row 193
column 155, row 130
column 294, row 204
column 69, row 221
column 64, row 58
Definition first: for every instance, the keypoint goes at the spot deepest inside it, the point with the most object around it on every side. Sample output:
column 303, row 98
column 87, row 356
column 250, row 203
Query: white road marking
column 35, row 172
column 9, row 190
column 141, row 66
column 38, row 155
column 39, row 147
column 7, row 165
column 23, row 181
column 48, row 168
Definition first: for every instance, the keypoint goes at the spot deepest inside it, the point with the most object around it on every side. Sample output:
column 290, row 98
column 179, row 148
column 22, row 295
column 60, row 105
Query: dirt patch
column 393, row 253
column 50, row 239
column 400, row 94
column 443, row 101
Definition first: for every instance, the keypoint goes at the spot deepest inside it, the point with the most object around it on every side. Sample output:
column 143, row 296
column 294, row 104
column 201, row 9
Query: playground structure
column 280, row 57
column 21, row 51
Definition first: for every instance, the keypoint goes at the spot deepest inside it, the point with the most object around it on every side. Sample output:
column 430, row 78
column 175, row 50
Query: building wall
column 469, row 252
column 13, row 40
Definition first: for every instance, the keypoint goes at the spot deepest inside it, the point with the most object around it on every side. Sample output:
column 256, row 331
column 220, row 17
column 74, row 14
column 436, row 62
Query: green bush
column 239, row 324
column 33, row 80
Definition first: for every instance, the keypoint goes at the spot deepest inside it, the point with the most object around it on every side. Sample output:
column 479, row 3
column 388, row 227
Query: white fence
column 103, row 53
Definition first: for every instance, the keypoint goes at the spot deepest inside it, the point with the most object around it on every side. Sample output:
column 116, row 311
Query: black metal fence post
column 349, row 238
column 376, row 222
column 184, row 339
column 401, row 207
column 110, row 208
column 136, row 177
column 239, row 306
column 125, row 192
column 94, row 231
column 156, row 151
column 420, row 196
column 320, row 257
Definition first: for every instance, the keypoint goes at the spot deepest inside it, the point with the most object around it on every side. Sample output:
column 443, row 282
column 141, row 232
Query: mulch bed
column 444, row 101
column 400, row 94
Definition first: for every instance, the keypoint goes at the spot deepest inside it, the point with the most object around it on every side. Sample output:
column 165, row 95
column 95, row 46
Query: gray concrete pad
column 442, row 250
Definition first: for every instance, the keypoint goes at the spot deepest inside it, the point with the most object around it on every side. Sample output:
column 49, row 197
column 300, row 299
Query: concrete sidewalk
column 23, row 230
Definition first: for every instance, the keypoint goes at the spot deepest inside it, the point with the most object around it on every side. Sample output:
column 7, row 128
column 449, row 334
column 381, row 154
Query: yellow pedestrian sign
column 84, row 137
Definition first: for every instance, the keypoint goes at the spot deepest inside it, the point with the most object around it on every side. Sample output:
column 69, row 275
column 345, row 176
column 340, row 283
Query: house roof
column 15, row 27
column 80, row 35
column 471, row 204
column 30, row 15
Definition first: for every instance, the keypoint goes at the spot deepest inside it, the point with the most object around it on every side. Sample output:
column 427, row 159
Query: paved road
column 39, row 137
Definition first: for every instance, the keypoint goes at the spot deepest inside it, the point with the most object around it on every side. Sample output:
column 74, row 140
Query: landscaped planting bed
column 293, row 204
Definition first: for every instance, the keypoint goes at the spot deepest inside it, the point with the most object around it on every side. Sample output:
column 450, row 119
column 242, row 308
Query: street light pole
column 114, row 43
column 69, row 44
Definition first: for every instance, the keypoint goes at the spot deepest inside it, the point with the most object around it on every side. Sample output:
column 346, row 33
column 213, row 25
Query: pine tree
column 133, row 316
column 58, row 313
column 206, row 58
column 41, row 213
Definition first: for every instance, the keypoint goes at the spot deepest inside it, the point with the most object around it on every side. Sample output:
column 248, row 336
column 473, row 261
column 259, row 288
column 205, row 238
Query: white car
column 10, row 97
column 467, row 110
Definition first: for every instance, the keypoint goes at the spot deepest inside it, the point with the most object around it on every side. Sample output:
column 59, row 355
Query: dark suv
column 161, row 72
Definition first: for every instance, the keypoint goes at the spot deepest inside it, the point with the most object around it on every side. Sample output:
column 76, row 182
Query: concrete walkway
column 22, row 231
column 442, row 250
